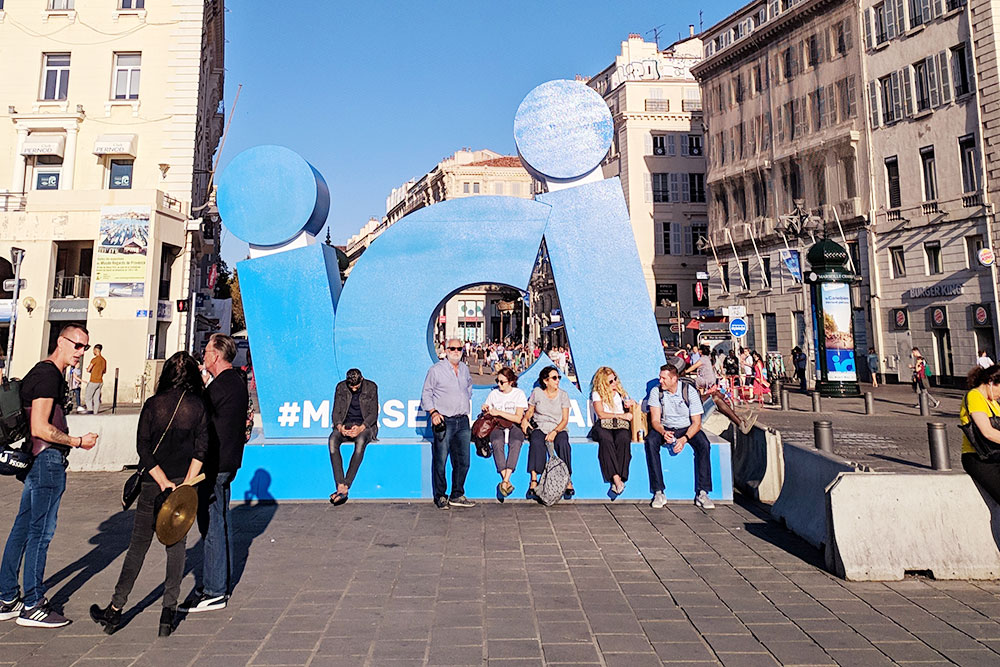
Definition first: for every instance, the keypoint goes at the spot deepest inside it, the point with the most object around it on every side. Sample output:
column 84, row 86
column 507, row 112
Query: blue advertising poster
column 791, row 260
column 838, row 332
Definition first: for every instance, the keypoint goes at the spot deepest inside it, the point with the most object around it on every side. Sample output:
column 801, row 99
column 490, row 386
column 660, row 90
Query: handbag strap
column 169, row 423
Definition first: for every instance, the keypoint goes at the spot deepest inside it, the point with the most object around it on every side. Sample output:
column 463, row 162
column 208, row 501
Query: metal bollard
column 923, row 404
column 784, row 400
column 869, row 403
column 823, row 435
column 817, row 402
column 114, row 400
column 775, row 392
column 937, row 438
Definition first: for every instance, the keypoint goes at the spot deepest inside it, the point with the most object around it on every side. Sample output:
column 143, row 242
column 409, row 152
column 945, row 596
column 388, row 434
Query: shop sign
column 67, row 309
column 899, row 318
column 666, row 294
column 939, row 317
column 164, row 312
column 986, row 256
column 951, row 289
column 981, row 315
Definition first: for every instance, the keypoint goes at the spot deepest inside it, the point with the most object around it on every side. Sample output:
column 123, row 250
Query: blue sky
column 373, row 93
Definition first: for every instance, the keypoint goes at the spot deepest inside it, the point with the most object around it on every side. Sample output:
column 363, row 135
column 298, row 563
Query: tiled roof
column 504, row 161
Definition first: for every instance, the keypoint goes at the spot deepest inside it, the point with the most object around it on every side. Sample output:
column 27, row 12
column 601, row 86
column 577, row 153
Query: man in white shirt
column 984, row 360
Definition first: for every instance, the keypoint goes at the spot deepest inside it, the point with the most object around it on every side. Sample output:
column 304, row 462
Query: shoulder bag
column 986, row 449
column 616, row 423
column 134, row 483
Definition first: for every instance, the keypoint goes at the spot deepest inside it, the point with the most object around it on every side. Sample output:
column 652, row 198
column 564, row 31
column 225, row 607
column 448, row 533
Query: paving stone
column 570, row 653
column 909, row 652
column 685, row 652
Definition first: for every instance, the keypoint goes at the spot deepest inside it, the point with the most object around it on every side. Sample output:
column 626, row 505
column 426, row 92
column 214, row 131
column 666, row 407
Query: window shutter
column 671, row 145
column 890, row 19
column 684, row 145
column 675, row 238
column 868, row 29
column 925, row 10
column 648, row 187
column 795, row 50
column 685, row 187
column 831, row 105
column 781, row 123
column 821, row 49
column 932, row 80
column 900, row 16
column 897, row 98
column 936, row 8
column 943, row 76
column 848, row 36
column 907, row 91
column 648, row 140
column 675, row 188
column 970, row 66
column 688, row 240
column 873, row 101
column 658, row 237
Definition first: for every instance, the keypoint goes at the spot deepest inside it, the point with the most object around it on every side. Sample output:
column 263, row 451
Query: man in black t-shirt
column 43, row 394
column 228, row 402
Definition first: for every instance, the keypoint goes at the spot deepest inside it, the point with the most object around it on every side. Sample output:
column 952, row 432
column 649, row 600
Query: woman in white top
column 614, row 445
column 509, row 403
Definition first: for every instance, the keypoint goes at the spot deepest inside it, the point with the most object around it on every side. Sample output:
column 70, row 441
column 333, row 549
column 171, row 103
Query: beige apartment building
column 111, row 113
column 658, row 153
column 474, row 314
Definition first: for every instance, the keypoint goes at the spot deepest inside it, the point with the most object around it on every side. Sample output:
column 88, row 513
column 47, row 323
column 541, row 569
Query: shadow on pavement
column 896, row 459
column 111, row 541
column 775, row 533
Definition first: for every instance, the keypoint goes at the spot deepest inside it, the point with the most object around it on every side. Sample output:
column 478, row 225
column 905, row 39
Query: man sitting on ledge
column 675, row 412
column 355, row 418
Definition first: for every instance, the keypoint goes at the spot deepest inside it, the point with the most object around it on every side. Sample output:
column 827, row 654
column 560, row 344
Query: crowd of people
column 489, row 357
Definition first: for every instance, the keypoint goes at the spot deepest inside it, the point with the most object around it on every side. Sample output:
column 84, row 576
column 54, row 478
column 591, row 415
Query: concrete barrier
column 758, row 463
column 115, row 442
column 802, row 501
column 884, row 525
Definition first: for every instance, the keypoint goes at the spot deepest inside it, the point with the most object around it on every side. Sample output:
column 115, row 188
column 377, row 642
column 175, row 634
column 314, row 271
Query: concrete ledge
column 884, row 525
column 401, row 470
column 115, row 443
column 758, row 463
column 802, row 501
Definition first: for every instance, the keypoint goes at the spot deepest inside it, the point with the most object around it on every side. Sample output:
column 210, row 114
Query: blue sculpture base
column 401, row 470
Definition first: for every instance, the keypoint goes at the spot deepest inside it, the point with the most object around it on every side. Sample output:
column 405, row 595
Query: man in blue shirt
column 675, row 412
column 447, row 397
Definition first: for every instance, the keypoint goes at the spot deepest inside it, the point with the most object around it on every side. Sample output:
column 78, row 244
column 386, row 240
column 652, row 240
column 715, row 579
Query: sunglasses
column 77, row 346
column 454, row 349
column 552, row 377
column 612, row 380
column 502, row 381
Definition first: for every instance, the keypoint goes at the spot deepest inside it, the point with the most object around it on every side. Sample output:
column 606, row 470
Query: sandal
column 338, row 499
column 506, row 488
column 569, row 493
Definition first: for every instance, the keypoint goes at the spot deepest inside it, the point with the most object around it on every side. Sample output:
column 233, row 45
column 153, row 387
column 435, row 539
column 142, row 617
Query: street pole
column 17, row 255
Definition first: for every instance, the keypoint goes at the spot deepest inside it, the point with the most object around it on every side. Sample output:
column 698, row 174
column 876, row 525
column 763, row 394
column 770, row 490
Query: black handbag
column 134, row 483
column 986, row 449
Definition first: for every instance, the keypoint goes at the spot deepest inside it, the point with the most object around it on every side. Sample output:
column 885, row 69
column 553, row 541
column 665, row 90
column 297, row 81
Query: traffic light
column 182, row 305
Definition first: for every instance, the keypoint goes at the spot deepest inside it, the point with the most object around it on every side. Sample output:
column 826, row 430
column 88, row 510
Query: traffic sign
column 675, row 328
column 738, row 327
column 8, row 285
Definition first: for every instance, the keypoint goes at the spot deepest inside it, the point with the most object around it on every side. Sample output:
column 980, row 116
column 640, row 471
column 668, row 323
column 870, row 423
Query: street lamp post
column 17, row 256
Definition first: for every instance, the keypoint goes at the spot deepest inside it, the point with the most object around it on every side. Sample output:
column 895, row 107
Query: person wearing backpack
column 43, row 395
column 675, row 412
column 920, row 374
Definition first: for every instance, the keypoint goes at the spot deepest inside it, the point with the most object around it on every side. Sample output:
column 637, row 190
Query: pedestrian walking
column 43, row 395
column 172, row 441
column 873, row 366
column 445, row 397
column 548, row 411
column 612, row 429
column 75, row 383
column 800, row 360
column 228, row 402
column 507, row 402
column 984, row 361
column 919, row 379
column 97, row 368
column 675, row 421
column 355, row 419
column 761, row 385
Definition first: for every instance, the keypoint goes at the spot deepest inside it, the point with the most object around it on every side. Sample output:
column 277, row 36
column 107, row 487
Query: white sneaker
column 81, row 409
column 703, row 501
column 659, row 500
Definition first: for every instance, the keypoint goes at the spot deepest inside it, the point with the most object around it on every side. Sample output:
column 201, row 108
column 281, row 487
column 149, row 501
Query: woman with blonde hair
column 612, row 429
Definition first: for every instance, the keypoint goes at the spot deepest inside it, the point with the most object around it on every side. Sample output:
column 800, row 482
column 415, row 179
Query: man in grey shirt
column 447, row 397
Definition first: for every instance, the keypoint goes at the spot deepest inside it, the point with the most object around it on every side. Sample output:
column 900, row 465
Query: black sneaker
column 41, row 616
column 10, row 610
column 461, row 501
column 204, row 602
column 441, row 502
column 109, row 617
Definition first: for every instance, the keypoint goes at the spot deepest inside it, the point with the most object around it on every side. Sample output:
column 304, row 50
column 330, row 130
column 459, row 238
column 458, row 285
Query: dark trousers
column 702, row 460
column 538, row 453
column 614, row 451
column 214, row 495
column 142, row 536
column 515, row 439
column 455, row 442
column 337, row 462
column 985, row 474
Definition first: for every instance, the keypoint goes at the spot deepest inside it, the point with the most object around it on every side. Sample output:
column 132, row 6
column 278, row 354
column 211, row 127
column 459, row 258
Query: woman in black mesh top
column 172, row 440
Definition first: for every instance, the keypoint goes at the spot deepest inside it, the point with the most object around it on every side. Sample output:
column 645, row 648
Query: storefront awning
column 44, row 144
column 553, row 326
column 115, row 144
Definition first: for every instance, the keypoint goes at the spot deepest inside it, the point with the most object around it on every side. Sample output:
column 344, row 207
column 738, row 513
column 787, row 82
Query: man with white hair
column 447, row 398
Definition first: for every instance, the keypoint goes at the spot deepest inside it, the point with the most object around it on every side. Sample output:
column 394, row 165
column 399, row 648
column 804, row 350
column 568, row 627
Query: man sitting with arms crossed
column 675, row 419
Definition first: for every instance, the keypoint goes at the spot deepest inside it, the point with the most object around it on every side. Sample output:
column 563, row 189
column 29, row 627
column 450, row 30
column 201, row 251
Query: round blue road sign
column 738, row 327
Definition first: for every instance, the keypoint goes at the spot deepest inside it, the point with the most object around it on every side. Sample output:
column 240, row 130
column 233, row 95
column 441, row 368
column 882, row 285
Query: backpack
column 553, row 481
column 14, row 460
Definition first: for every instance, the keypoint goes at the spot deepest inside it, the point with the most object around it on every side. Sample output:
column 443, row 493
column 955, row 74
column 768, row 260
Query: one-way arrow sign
column 8, row 285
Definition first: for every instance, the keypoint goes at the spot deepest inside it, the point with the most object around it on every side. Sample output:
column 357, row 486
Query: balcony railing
column 657, row 105
column 71, row 287
column 970, row 201
column 690, row 105
column 929, row 207
column 894, row 215
column 12, row 201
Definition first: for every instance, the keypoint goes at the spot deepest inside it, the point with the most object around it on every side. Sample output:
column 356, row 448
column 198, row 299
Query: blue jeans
column 702, row 449
column 33, row 528
column 218, row 563
column 454, row 441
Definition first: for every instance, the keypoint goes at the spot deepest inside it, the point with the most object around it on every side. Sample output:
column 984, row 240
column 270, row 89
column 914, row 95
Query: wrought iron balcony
column 71, row 287
column 657, row 105
column 12, row 201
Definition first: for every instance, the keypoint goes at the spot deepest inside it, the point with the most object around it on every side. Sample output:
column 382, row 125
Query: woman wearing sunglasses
column 548, row 406
column 612, row 429
column 506, row 402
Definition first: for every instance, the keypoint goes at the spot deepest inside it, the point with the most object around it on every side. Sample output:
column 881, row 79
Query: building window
column 794, row 180
column 929, row 172
column 725, row 276
column 48, row 169
column 498, row 188
column 661, row 188
column 932, row 255
column 962, row 70
column 699, row 237
column 973, row 244
column 850, row 180
column 475, row 188
column 892, row 181
column 61, row 5
column 880, row 24
column 126, row 83
column 790, row 62
column 759, row 197
column 132, row 4
column 920, row 85
column 854, row 252
column 694, row 145
column 891, row 107
column 659, row 144
column 847, row 98
column 696, row 186
column 919, row 12
column 898, row 265
column 842, row 38
column 121, row 175
column 55, row 76
column 745, row 272
column 669, row 238
column 815, row 50
column 819, row 180
column 970, row 163
column 465, row 188
column 767, row 271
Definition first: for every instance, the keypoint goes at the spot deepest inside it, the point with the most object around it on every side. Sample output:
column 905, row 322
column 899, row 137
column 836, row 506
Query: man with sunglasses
column 447, row 398
column 43, row 397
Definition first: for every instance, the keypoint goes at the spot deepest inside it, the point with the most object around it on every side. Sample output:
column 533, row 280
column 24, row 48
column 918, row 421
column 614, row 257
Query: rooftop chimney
column 634, row 35
column 690, row 30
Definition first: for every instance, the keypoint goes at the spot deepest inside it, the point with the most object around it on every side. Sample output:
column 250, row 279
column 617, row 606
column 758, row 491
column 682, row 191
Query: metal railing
column 690, row 105
column 657, row 105
column 12, row 201
column 71, row 287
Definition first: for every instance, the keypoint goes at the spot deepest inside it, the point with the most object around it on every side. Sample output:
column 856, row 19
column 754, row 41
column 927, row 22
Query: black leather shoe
column 166, row 622
column 108, row 617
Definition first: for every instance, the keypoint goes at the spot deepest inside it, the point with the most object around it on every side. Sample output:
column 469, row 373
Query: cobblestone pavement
column 386, row 584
